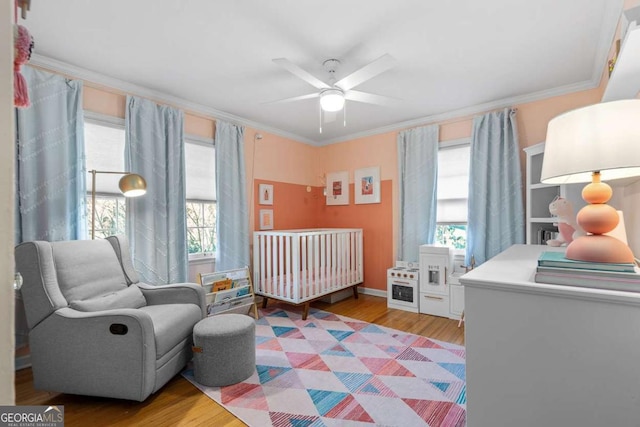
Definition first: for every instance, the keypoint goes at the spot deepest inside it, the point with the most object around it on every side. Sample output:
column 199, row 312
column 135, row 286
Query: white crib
column 298, row 266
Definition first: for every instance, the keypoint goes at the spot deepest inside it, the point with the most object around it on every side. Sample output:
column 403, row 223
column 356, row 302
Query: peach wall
column 293, row 206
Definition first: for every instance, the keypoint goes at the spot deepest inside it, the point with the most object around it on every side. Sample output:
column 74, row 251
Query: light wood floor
column 179, row 403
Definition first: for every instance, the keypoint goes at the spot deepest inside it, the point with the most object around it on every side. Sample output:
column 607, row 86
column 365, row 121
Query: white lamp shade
column 332, row 100
column 602, row 137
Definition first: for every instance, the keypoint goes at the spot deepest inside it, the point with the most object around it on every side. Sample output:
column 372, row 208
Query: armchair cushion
column 172, row 323
column 87, row 270
column 129, row 297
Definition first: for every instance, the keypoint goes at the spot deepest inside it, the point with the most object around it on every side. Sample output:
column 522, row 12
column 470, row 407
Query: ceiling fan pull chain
column 320, row 113
column 344, row 115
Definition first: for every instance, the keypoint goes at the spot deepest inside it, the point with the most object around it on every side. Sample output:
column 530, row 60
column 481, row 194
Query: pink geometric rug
column 331, row 370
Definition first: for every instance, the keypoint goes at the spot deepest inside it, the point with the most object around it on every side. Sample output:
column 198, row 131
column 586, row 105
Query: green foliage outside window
column 111, row 213
column 201, row 227
column 452, row 235
column 110, row 216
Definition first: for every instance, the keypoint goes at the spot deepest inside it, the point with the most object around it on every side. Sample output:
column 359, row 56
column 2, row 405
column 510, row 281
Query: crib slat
column 316, row 261
column 287, row 271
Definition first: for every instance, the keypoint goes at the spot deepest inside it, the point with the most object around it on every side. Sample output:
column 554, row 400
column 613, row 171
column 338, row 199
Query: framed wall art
column 338, row 188
column 366, row 184
column 266, row 194
column 266, row 219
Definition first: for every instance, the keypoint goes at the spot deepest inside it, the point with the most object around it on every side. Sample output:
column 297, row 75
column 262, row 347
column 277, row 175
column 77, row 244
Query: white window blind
column 104, row 148
column 453, row 183
column 200, row 170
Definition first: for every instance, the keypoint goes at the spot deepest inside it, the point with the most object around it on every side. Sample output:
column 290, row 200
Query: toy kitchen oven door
column 402, row 286
column 441, row 293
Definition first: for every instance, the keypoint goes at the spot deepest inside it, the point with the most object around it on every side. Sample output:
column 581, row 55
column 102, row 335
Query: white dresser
column 548, row 355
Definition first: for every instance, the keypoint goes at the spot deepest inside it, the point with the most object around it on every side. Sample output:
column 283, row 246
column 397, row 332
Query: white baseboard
column 374, row 292
column 22, row 362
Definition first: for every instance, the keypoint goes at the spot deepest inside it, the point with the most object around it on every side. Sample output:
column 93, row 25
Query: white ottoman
column 224, row 349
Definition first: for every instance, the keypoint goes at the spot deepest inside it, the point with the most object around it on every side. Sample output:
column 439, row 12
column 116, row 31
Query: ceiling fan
column 333, row 94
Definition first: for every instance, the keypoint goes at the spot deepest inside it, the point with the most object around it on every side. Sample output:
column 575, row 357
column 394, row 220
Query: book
column 557, row 259
column 588, row 281
column 221, row 285
column 593, row 273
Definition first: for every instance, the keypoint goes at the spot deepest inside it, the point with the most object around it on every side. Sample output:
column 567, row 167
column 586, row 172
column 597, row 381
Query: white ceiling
column 453, row 57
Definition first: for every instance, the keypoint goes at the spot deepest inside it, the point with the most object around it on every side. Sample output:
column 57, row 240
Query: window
column 104, row 146
column 453, row 193
column 201, row 197
column 104, row 150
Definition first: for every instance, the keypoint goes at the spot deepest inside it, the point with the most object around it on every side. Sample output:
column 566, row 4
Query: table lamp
column 131, row 185
column 590, row 144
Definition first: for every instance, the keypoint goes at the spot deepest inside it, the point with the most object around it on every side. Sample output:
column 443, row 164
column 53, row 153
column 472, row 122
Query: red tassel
column 20, row 91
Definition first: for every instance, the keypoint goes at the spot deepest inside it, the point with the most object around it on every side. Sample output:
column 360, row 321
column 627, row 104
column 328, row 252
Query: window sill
column 202, row 260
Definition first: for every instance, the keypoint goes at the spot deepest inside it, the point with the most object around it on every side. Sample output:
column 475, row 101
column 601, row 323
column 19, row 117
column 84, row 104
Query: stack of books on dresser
column 555, row 269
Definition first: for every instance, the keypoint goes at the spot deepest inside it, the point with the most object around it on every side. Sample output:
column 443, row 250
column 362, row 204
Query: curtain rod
column 470, row 117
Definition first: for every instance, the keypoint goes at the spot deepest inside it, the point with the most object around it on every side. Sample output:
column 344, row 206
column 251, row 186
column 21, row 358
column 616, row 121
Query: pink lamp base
column 599, row 248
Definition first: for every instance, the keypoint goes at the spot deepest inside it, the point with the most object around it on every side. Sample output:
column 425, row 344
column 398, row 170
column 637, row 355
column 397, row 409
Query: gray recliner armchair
column 94, row 328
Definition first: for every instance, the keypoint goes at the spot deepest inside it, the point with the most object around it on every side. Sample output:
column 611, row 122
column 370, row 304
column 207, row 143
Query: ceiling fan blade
column 367, row 72
column 304, row 75
column 371, row 98
column 295, row 98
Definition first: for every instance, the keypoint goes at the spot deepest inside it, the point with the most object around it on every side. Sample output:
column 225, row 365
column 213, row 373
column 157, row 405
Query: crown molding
column 469, row 111
column 102, row 81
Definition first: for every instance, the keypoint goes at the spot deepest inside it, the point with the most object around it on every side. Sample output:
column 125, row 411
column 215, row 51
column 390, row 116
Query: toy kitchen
column 431, row 286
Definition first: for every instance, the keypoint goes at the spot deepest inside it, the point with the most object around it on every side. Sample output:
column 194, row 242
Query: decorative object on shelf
column 587, row 144
column 612, row 61
column 366, row 185
column 337, row 188
column 266, row 219
column 131, row 185
column 567, row 226
column 22, row 49
column 266, row 194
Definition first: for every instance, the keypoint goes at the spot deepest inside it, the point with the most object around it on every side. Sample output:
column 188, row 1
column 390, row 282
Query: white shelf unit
column 624, row 82
column 539, row 196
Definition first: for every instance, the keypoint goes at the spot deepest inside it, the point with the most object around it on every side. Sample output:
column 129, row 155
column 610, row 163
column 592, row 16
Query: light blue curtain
column 418, row 180
column 496, row 212
column 50, row 170
column 156, row 221
column 232, row 213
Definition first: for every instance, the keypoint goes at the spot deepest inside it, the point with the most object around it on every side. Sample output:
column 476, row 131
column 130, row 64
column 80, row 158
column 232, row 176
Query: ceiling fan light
column 332, row 100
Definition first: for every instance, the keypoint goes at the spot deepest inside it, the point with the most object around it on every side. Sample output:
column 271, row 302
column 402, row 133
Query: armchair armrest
column 106, row 353
column 177, row 293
